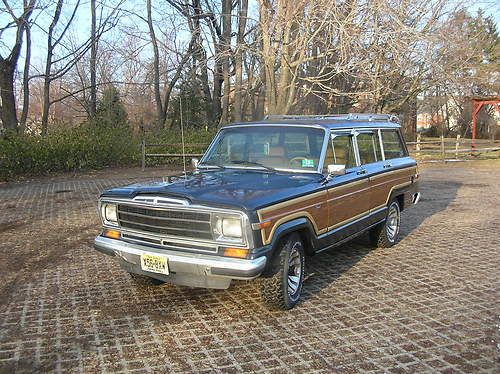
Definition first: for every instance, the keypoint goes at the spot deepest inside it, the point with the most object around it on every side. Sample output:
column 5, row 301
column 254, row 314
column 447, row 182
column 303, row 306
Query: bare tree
column 93, row 59
column 162, row 103
column 8, row 64
column 52, row 43
column 26, row 85
column 226, row 56
column 56, row 68
column 238, row 59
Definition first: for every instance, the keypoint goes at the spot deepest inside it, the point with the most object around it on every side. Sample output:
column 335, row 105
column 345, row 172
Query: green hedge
column 89, row 147
column 81, row 148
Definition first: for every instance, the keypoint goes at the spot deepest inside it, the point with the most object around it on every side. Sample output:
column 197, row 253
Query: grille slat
column 179, row 223
column 163, row 218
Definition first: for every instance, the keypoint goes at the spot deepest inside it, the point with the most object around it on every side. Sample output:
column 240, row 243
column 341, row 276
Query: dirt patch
column 26, row 263
column 62, row 191
column 11, row 225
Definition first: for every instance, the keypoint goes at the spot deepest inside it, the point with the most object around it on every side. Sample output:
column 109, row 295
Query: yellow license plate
column 154, row 264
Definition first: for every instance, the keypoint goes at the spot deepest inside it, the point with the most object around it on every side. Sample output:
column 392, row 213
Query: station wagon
column 264, row 197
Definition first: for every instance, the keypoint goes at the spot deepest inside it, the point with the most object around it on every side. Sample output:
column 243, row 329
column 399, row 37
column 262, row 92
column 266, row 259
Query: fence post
column 418, row 144
column 143, row 151
column 457, row 144
column 442, row 148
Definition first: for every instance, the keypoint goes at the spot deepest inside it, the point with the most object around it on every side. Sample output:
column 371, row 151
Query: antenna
column 182, row 138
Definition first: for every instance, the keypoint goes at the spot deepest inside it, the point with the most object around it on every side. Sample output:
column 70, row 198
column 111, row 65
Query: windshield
column 269, row 147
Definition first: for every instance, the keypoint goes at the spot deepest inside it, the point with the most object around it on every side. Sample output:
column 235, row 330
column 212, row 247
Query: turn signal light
column 112, row 234
column 236, row 252
column 265, row 224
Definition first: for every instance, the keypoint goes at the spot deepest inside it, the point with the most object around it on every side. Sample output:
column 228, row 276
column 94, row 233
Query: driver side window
column 340, row 151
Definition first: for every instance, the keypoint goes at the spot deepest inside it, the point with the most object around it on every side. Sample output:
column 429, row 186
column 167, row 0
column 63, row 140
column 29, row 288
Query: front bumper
column 191, row 269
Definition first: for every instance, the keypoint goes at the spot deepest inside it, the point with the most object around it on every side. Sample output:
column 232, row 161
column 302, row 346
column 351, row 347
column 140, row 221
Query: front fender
column 301, row 224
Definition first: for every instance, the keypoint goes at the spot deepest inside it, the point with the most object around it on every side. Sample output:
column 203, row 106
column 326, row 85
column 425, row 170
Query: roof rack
column 344, row 117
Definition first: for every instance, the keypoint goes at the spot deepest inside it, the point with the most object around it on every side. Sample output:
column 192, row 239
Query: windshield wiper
column 253, row 163
column 216, row 166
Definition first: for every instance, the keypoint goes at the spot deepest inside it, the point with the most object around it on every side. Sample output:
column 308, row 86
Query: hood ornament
column 160, row 200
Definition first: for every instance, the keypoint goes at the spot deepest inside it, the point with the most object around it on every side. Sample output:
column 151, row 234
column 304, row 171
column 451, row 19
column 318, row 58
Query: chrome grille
column 165, row 222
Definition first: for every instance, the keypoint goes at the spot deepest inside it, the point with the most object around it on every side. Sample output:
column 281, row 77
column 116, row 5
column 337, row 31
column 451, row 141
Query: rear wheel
column 283, row 289
column 144, row 280
column 386, row 234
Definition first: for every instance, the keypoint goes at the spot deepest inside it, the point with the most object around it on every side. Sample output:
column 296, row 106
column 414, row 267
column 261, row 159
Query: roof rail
column 343, row 117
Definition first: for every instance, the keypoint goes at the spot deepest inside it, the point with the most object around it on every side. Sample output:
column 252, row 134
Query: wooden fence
column 146, row 146
column 451, row 146
column 422, row 147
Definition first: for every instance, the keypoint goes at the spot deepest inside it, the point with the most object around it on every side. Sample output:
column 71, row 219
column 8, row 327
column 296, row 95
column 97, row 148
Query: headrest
column 277, row 151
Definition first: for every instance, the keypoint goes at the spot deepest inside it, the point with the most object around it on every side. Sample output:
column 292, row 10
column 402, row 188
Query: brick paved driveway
column 429, row 304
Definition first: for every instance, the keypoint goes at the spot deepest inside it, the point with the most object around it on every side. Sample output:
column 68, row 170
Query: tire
column 386, row 234
column 144, row 280
column 281, row 291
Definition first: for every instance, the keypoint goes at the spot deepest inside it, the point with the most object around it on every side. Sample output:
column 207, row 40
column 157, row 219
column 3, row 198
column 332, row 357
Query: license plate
column 154, row 264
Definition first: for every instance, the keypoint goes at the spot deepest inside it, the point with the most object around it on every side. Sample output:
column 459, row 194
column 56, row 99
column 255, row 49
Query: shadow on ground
column 324, row 269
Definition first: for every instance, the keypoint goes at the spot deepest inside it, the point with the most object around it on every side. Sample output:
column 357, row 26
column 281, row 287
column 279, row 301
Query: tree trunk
column 8, row 113
column 160, row 118
column 93, row 61
column 238, row 61
column 46, row 90
column 226, row 48
column 170, row 85
column 48, row 68
column 216, row 96
column 26, row 86
column 200, row 56
column 261, row 96
column 268, row 59
column 7, row 68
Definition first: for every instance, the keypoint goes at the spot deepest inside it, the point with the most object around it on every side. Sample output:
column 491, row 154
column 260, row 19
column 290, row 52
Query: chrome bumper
column 191, row 264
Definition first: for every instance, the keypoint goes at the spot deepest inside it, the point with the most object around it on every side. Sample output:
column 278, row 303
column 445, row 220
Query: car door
column 392, row 171
column 372, row 160
column 347, row 197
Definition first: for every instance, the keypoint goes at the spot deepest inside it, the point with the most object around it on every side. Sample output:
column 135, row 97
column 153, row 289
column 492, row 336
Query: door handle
column 387, row 166
column 362, row 171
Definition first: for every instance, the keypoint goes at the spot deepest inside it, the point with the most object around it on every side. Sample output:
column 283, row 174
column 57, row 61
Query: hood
column 236, row 188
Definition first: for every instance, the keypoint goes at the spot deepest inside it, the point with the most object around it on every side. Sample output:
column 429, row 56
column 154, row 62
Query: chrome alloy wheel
column 294, row 271
column 393, row 222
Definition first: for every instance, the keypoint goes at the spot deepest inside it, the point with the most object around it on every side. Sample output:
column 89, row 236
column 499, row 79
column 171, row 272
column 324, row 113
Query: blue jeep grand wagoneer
column 263, row 197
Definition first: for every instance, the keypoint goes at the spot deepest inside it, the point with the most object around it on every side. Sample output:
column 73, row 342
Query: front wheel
column 386, row 234
column 282, row 290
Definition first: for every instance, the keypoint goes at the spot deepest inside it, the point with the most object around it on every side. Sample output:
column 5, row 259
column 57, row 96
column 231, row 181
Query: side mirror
column 336, row 169
column 195, row 162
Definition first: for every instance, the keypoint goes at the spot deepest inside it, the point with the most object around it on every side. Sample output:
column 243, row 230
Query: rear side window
column 393, row 147
column 341, row 150
column 369, row 148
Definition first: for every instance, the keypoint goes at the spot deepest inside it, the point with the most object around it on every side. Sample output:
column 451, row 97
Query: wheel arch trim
column 299, row 224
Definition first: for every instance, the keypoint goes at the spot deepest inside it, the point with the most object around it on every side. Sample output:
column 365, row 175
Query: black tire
column 386, row 234
column 279, row 291
column 144, row 280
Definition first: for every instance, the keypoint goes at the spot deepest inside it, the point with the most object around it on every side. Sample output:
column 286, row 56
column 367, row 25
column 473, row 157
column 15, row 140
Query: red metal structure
column 477, row 104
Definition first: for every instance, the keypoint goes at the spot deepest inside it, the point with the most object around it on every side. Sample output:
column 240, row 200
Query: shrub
column 91, row 146
column 85, row 147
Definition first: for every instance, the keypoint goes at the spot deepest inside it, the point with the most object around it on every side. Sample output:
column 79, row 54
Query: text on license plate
column 154, row 264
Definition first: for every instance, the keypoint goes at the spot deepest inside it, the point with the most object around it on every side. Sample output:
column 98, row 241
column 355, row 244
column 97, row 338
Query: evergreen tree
column 194, row 106
column 110, row 110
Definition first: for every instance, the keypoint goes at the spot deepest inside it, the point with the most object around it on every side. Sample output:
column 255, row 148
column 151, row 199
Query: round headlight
column 232, row 227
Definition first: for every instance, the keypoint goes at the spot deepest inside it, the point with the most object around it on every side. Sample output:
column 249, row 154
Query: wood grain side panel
column 348, row 201
column 382, row 185
column 312, row 206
